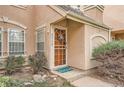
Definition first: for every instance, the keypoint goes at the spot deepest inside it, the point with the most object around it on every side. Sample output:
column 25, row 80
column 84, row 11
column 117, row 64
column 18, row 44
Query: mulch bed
column 26, row 74
column 111, row 80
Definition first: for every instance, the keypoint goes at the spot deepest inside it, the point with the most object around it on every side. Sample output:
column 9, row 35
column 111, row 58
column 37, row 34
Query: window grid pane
column 40, row 40
column 16, row 42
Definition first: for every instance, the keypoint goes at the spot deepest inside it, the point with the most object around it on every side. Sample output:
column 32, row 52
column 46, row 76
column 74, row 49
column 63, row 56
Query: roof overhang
column 82, row 19
column 78, row 18
column 88, row 7
column 61, row 12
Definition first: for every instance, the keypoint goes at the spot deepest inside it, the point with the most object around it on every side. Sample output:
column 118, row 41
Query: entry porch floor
column 81, row 78
column 71, row 75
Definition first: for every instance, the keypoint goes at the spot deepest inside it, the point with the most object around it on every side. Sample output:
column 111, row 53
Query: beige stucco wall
column 24, row 17
column 79, row 43
column 95, row 14
column 45, row 16
column 90, row 32
column 113, row 16
column 32, row 17
column 76, row 44
column 78, row 34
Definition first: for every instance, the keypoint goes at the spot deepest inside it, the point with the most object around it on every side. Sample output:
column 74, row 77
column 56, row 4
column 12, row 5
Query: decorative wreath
column 60, row 37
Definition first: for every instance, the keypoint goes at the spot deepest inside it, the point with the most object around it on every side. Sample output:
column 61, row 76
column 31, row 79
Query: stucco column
column 110, row 38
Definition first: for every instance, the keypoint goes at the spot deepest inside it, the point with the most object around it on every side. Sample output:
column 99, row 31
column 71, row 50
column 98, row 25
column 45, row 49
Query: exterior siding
column 24, row 17
column 89, row 32
column 35, row 17
column 45, row 16
column 113, row 16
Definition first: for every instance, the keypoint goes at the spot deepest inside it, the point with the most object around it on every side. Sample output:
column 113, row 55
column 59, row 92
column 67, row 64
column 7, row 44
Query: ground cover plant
column 15, row 81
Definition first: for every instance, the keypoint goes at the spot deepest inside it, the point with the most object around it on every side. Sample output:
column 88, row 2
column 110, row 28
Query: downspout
column 110, row 39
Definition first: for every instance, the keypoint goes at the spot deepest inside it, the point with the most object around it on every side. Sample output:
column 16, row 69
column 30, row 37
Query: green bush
column 12, row 62
column 67, row 84
column 37, row 62
column 10, row 65
column 19, row 61
column 8, row 82
column 108, row 47
column 111, row 55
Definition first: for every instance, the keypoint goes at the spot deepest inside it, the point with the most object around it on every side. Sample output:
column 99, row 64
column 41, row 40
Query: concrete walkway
column 90, row 82
column 80, row 78
column 71, row 75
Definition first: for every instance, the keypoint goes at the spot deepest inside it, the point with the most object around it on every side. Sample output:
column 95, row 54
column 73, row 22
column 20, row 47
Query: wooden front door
column 60, row 46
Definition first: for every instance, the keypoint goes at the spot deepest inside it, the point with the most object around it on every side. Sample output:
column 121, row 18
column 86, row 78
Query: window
column 40, row 40
column 16, row 42
column 0, row 41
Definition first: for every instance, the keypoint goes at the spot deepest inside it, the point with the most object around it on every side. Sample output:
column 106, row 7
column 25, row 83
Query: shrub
column 108, row 47
column 67, row 84
column 10, row 65
column 12, row 62
column 37, row 62
column 8, row 82
column 112, row 57
column 19, row 61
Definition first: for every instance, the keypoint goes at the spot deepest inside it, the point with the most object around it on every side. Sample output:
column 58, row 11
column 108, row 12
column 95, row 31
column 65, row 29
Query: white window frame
column 1, row 41
column 9, row 40
column 37, row 30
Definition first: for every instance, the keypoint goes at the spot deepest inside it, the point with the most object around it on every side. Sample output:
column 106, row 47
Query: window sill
column 3, row 57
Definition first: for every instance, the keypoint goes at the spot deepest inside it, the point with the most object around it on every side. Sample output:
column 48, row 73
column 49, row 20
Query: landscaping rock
column 44, row 77
column 28, row 84
column 37, row 78
column 53, row 76
column 41, row 73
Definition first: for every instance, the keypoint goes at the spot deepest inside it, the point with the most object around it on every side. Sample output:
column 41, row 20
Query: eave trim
column 6, row 20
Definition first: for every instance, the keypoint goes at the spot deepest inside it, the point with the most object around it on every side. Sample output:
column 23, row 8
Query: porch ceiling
column 117, row 32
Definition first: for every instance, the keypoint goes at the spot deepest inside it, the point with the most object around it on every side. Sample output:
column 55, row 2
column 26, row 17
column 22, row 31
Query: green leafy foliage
column 67, row 84
column 37, row 62
column 108, row 47
column 19, row 61
column 12, row 62
column 10, row 65
column 8, row 82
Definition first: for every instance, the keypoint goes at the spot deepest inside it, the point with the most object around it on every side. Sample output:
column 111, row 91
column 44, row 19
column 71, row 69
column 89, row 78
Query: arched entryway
column 96, row 40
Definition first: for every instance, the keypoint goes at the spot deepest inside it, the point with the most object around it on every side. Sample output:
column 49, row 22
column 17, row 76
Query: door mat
column 64, row 69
